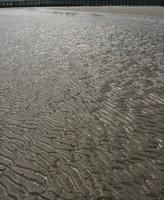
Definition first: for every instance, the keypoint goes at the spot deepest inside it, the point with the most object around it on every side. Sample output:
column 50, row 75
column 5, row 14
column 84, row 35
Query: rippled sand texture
column 81, row 106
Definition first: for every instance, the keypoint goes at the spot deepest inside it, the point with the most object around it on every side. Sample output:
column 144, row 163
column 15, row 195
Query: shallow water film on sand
column 81, row 106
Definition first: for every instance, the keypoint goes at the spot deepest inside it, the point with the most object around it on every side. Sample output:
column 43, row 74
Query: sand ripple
column 81, row 106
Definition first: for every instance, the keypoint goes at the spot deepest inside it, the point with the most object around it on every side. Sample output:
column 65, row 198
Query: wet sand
column 132, row 10
column 81, row 106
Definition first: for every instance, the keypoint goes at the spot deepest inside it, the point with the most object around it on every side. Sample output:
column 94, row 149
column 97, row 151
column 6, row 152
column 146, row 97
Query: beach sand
column 81, row 105
column 140, row 10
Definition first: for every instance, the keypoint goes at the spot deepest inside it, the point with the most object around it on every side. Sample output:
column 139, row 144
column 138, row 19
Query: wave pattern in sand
column 81, row 106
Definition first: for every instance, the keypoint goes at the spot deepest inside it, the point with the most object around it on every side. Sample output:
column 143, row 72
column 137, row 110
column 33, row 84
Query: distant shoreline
column 133, row 10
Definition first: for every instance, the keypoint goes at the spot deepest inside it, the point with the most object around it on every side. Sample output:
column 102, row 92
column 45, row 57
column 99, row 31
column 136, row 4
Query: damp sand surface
column 81, row 106
column 132, row 10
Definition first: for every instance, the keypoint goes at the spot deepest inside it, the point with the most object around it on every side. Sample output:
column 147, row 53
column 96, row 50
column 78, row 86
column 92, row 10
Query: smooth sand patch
column 140, row 10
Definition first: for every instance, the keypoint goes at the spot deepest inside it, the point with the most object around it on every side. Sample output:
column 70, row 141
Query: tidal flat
column 81, row 105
